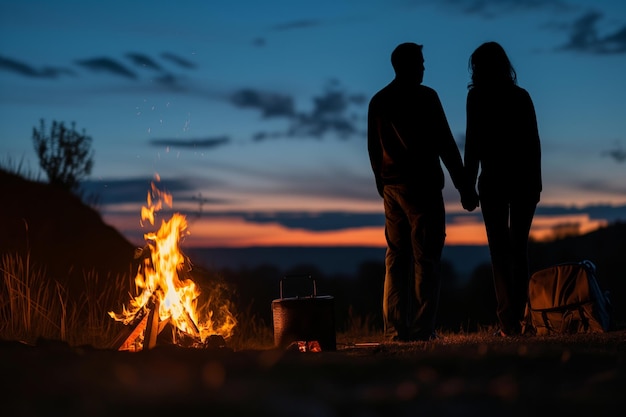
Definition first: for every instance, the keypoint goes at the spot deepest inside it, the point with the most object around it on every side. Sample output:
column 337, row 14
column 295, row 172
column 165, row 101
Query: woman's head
column 489, row 65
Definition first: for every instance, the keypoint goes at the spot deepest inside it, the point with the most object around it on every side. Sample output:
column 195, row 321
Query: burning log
column 130, row 335
column 145, row 331
column 127, row 339
column 166, row 300
column 152, row 325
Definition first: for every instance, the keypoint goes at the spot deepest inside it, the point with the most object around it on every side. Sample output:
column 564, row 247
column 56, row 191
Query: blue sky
column 253, row 113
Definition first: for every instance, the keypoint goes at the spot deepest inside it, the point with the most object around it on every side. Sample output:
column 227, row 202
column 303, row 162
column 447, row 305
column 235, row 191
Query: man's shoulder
column 385, row 90
column 393, row 89
column 427, row 90
column 383, row 94
column 428, row 94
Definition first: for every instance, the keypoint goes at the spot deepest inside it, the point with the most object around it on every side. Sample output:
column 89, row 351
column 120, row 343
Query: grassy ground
column 55, row 359
column 456, row 375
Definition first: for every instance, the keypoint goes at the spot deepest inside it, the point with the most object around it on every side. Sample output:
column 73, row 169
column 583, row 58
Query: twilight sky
column 253, row 113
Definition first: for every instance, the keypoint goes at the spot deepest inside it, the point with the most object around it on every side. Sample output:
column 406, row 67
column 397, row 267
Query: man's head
column 408, row 61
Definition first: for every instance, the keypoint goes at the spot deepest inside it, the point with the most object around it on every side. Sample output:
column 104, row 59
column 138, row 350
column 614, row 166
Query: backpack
column 566, row 299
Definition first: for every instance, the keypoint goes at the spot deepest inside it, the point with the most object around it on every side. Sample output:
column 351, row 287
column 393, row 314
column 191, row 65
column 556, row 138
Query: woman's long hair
column 490, row 66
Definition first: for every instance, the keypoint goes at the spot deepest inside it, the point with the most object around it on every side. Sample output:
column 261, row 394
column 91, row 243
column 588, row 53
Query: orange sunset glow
column 238, row 233
column 233, row 232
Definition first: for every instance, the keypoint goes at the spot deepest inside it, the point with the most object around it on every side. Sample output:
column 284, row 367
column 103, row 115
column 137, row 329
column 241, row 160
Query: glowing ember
column 160, row 281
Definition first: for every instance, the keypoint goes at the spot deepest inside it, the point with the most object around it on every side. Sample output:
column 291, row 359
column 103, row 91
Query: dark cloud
column 181, row 62
column 608, row 185
column 330, row 221
column 24, row 69
column 259, row 42
column 616, row 42
column 270, row 104
column 109, row 65
column 318, row 126
column 318, row 221
column 584, row 36
column 260, row 136
column 330, row 113
column 296, row 24
column 583, row 32
column 144, row 61
column 106, row 65
column 207, row 143
column 595, row 212
column 618, row 154
column 494, row 8
column 171, row 81
column 132, row 190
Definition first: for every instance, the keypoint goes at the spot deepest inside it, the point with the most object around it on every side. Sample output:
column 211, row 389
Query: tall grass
column 26, row 308
column 251, row 332
column 20, row 168
column 36, row 307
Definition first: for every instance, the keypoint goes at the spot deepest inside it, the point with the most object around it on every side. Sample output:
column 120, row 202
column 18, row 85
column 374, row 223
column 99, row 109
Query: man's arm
column 448, row 149
column 451, row 157
column 374, row 147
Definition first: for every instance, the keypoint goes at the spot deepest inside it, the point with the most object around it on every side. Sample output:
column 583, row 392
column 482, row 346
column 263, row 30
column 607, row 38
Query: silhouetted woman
column 502, row 140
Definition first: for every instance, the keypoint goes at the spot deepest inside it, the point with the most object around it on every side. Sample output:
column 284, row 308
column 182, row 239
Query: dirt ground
column 579, row 375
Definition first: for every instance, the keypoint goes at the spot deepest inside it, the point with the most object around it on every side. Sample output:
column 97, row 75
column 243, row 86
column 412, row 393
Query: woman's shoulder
column 427, row 92
column 519, row 90
column 505, row 92
column 522, row 96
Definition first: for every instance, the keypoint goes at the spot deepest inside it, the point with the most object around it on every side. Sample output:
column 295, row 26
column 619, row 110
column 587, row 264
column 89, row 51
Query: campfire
column 167, row 305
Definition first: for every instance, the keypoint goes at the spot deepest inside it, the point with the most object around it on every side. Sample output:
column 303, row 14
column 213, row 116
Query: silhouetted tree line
column 464, row 306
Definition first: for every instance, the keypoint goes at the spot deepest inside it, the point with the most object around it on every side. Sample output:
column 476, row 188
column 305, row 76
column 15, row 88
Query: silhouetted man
column 408, row 137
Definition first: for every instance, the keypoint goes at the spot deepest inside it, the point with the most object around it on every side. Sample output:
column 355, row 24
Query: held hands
column 469, row 198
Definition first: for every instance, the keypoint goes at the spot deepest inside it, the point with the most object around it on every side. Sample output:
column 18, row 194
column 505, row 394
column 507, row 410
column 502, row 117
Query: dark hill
column 63, row 237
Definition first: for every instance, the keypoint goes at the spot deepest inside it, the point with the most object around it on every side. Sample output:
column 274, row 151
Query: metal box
column 304, row 318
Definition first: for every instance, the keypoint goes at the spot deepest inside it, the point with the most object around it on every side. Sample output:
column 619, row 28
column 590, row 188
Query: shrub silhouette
column 65, row 154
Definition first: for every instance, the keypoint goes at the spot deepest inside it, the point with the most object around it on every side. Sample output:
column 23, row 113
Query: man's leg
column 397, row 261
column 428, row 237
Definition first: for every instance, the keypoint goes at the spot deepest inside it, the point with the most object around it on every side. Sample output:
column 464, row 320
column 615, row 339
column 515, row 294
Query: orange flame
column 160, row 277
